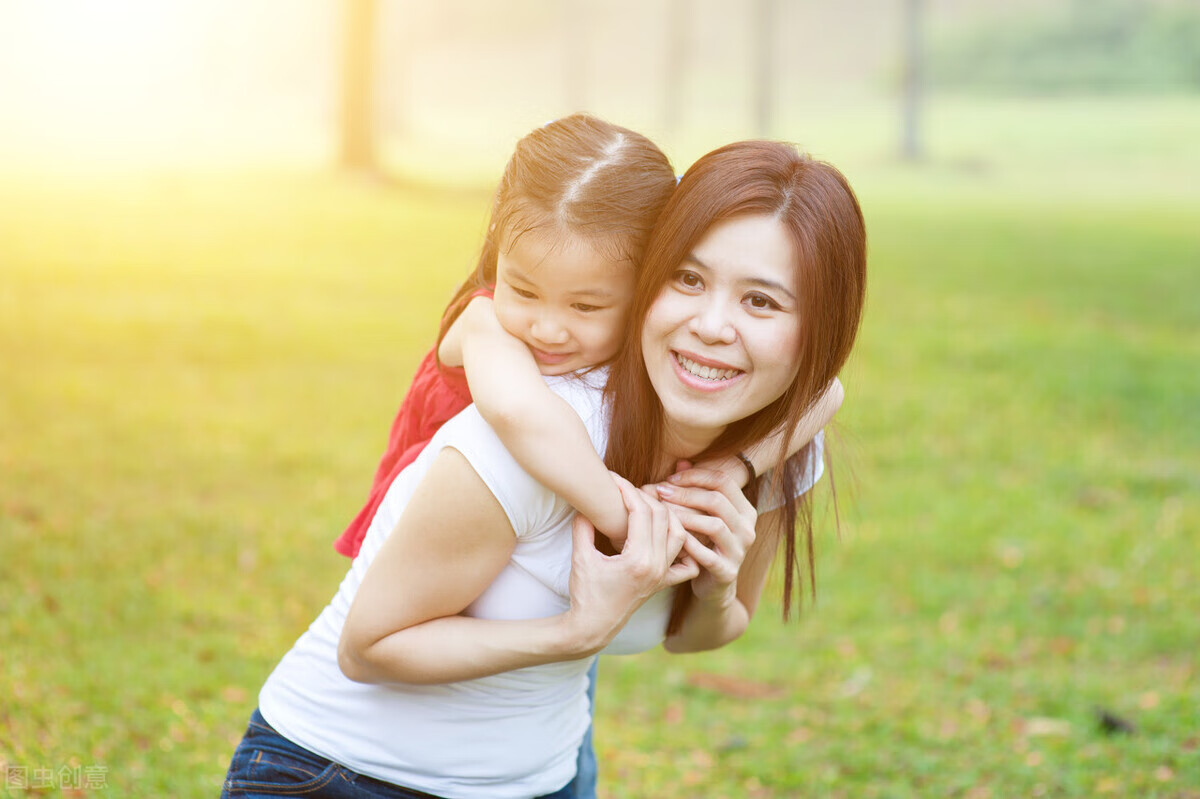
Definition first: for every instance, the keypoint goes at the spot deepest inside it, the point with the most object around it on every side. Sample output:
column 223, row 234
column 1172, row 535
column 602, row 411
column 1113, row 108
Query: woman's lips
column 704, row 374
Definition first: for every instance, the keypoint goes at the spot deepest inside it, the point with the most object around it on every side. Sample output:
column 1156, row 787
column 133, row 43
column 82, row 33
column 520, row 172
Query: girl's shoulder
column 584, row 392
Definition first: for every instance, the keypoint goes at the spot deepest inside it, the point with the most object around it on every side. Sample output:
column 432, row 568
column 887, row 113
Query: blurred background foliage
column 1089, row 46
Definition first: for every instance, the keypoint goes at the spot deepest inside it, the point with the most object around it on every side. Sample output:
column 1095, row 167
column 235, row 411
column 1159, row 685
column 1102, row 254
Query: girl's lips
column 700, row 383
column 549, row 358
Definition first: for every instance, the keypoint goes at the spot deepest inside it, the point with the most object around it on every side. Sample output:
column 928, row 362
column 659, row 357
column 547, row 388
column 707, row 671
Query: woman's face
column 722, row 339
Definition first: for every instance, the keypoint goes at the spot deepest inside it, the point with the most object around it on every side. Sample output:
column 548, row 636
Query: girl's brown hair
column 817, row 206
column 578, row 176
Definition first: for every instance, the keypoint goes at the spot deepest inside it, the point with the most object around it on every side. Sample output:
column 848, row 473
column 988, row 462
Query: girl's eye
column 688, row 279
column 528, row 295
column 761, row 302
column 585, row 308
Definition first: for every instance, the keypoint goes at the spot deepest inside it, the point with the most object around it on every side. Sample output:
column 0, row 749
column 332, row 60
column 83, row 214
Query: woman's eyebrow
column 760, row 282
column 771, row 285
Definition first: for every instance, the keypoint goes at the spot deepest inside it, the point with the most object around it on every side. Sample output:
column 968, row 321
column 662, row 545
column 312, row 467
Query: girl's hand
column 607, row 589
column 720, row 524
column 728, row 465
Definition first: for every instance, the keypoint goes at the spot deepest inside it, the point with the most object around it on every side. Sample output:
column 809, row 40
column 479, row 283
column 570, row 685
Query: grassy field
column 197, row 371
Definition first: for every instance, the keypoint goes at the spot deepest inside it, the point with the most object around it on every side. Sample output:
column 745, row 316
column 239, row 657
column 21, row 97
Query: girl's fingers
column 707, row 558
column 676, row 532
column 706, row 500
column 731, row 538
column 682, row 570
column 701, row 523
column 712, row 480
column 720, row 568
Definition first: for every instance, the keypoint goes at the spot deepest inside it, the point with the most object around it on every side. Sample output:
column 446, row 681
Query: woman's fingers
column 636, row 505
column 583, row 536
column 655, row 536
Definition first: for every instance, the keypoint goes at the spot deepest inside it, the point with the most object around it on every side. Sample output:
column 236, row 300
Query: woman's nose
column 713, row 324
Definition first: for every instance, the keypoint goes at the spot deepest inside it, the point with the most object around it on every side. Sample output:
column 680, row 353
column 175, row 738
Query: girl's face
column 565, row 300
column 722, row 339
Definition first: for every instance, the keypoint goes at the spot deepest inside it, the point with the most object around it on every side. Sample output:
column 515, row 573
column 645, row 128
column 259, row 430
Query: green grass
column 197, row 371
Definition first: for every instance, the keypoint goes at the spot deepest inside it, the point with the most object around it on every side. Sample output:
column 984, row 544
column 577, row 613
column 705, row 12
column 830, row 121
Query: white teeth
column 704, row 372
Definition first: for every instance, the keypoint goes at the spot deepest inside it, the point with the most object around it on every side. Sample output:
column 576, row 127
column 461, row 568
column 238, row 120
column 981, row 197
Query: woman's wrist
column 580, row 636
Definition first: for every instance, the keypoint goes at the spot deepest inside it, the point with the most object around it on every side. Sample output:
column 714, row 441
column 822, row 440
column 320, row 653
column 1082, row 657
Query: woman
column 453, row 660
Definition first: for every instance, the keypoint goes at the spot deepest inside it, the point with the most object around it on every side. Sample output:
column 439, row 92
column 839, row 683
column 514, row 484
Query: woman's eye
column 761, row 302
column 688, row 279
column 585, row 308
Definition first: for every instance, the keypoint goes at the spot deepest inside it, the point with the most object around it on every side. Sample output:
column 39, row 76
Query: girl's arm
column 765, row 454
column 402, row 625
column 538, row 427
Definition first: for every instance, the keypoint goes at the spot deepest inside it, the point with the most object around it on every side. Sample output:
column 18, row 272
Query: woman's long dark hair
column 817, row 206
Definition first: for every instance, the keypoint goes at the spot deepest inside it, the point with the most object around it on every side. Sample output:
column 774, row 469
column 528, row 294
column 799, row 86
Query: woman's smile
column 704, row 374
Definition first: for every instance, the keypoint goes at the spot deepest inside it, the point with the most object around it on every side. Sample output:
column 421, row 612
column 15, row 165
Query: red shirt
column 437, row 393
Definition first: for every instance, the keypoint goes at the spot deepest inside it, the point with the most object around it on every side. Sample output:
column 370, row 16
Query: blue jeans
column 584, row 784
column 265, row 764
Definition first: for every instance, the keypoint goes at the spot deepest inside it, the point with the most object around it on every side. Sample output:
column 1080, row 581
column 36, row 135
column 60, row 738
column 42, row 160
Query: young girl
column 550, row 295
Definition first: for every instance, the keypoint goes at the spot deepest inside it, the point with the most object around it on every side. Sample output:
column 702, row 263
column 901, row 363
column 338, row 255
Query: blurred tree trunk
column 912, row 91
column 357, row 151
column 678, row 12
column 764, row 105
column 575, row 42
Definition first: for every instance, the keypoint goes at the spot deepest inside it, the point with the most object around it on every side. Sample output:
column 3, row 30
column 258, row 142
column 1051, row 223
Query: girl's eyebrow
column 760, row 282
column 594, row 293
column 513, row 272
column 597, row 292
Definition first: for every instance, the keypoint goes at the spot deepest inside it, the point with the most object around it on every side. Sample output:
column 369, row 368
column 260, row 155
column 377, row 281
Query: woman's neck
column 680, row 443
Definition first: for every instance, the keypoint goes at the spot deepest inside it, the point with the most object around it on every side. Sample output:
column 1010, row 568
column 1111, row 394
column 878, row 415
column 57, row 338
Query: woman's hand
column 607, row 589
column 720, row 524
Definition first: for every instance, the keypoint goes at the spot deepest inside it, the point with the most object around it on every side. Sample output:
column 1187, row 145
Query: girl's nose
column 547, row 329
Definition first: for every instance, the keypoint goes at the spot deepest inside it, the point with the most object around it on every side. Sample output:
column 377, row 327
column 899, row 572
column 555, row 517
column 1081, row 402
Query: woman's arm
column 403, row 624
column 765, row 454
column 538, row 427
column 733, row 547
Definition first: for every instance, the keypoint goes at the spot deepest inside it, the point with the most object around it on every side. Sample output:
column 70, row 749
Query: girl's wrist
column 751, row 474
